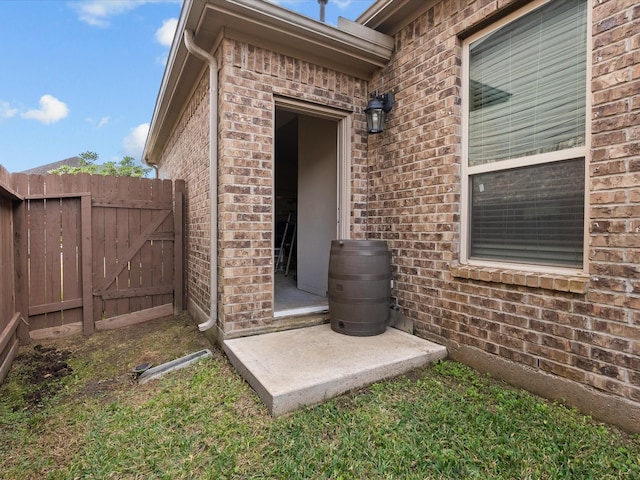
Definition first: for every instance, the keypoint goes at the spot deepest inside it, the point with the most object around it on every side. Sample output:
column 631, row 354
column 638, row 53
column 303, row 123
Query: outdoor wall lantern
column 377, row 110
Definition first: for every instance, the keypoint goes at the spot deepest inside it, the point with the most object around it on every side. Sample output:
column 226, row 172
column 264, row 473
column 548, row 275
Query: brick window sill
column 547, row 281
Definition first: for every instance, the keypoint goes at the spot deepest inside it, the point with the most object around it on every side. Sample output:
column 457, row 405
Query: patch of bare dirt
column 42, row 368
column 102, row 363
column 106, row 387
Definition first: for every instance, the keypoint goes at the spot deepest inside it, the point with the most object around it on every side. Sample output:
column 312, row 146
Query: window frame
column 570, row 153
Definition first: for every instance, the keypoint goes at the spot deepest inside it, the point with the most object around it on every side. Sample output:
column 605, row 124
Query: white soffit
column 390, row 16
column 351, row 49
column 264, row 24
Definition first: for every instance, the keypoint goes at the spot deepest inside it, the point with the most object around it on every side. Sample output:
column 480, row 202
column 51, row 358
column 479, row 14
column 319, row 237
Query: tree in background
column 124, row 168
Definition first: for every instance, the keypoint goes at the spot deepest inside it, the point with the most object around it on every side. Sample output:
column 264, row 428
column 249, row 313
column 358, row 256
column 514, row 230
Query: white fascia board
column 389, row 16
column 369, row 34
column 355, row 50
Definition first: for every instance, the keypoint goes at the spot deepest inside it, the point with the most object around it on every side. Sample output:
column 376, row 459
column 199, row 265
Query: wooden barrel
column 359, row 286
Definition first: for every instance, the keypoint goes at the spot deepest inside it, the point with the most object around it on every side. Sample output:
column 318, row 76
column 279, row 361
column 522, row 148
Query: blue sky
column 83, row 75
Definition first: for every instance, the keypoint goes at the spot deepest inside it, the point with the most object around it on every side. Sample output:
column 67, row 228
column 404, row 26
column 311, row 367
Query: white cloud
column 6, row 111
column 164, row 35
column 98, row 123
column 342, row 3
column 133, row 144
column 98, row 12
column 51, row 110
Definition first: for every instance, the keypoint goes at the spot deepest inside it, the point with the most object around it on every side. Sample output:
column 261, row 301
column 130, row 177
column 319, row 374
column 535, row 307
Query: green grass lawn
column 440, row 422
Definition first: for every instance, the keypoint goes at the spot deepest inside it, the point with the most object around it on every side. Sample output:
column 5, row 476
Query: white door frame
column 343, row 153
column 343, row 166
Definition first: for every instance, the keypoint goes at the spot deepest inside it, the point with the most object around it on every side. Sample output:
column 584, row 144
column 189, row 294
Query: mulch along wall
column 585, row 329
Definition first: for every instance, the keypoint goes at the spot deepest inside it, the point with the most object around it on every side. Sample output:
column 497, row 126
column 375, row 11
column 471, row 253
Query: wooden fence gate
column 97, row 251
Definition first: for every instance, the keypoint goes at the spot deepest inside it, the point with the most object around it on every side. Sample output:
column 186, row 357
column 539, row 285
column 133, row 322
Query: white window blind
column 527, row 85
column 530, row 214
column 527, row 98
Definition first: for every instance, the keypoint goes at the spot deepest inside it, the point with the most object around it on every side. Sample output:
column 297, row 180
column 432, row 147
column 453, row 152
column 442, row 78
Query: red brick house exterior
column 571, row 334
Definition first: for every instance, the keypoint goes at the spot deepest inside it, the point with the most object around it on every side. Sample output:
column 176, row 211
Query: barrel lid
column 359, row 243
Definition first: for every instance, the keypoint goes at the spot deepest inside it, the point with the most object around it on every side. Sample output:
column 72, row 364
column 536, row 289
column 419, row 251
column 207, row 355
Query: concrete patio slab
column 309, row 365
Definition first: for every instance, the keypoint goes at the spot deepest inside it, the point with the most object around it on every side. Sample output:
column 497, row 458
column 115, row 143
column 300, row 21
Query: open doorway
column 306, row 210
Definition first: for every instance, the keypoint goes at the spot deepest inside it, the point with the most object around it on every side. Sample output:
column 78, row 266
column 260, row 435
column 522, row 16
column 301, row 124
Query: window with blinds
column 525, row 137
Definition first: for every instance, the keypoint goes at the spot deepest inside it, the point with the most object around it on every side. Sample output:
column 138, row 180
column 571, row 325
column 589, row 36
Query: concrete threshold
column 309, row 365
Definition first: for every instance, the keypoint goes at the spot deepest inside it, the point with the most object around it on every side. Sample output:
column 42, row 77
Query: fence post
column 20, row 185
column 87, row 264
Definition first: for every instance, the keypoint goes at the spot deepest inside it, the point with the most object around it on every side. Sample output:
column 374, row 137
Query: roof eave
column 352, row 49
column 390, row 16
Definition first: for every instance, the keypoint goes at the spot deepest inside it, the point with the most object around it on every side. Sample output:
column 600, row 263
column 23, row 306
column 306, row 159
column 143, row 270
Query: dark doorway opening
column 305, row 206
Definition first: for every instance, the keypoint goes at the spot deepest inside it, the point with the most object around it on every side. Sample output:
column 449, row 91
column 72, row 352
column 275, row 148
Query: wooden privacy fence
column 96, row 251
column 9, row 316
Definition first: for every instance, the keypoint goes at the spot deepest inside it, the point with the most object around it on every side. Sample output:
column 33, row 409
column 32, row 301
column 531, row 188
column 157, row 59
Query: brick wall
column 613, row 302
column 405, row 188
column 249, row 79
column 585, row 329
column 187, row 157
